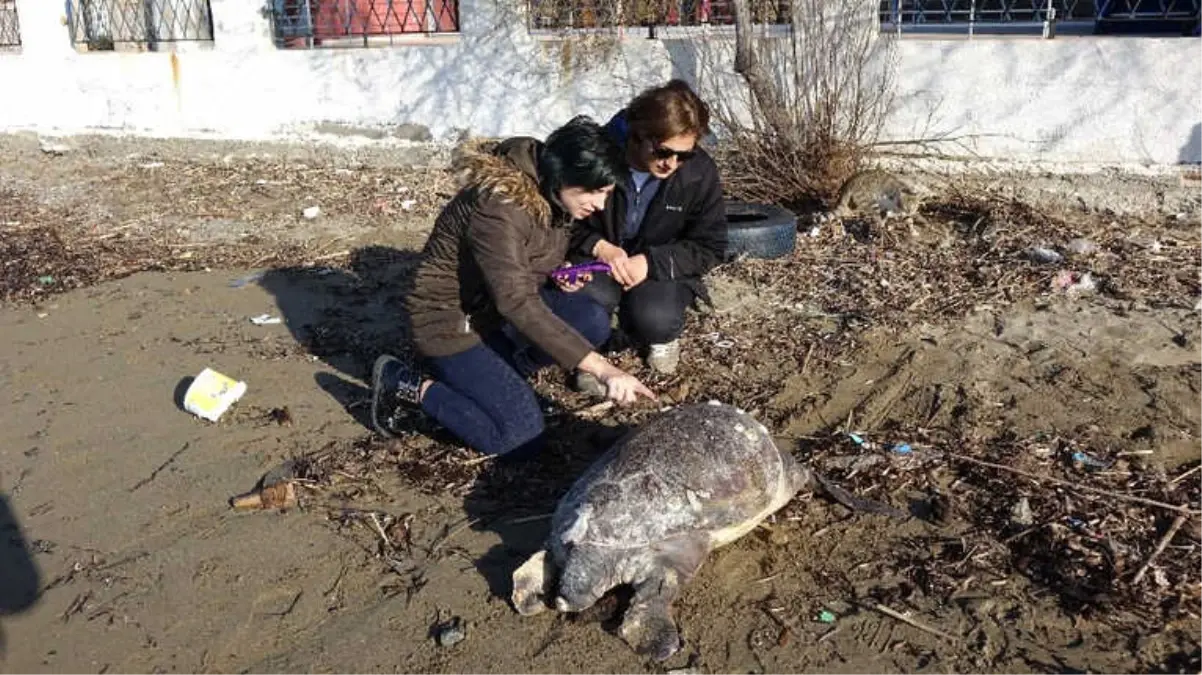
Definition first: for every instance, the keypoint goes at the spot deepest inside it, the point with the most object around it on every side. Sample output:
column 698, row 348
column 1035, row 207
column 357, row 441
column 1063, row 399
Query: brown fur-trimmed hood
column 505, row 169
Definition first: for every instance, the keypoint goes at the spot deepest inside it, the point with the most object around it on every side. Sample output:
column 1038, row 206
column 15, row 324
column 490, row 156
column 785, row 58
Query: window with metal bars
column 567, row 14
column 10, row 26
column 106, row 25
column 318, row 23
column 1095, row 16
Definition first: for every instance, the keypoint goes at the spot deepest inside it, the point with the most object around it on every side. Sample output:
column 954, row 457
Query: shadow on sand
column 20, row 579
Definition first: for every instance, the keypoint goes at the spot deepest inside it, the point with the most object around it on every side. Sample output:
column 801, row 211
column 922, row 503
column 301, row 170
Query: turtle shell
column 698, row 468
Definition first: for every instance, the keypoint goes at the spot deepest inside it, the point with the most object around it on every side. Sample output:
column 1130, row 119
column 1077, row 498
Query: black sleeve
column 702, row 243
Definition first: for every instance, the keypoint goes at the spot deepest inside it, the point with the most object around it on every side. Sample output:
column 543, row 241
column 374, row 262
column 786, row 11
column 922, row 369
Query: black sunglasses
column 681, row 155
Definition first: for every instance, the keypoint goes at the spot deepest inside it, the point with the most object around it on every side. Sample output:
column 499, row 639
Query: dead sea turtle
column 649, row 511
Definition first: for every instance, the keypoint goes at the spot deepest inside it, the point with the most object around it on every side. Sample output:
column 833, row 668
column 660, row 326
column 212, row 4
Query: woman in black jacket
column 663, row 230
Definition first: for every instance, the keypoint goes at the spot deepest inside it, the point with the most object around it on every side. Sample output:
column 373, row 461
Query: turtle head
column 803, row 478
column 586, row 577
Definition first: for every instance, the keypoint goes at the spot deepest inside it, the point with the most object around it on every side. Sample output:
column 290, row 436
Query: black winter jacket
column 683, row 233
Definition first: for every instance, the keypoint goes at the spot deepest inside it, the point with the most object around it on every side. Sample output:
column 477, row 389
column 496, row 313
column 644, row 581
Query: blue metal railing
column 1087, row 16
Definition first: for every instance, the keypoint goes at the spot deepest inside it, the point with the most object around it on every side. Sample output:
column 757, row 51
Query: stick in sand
column 917, row 624
column 1164, row 542
column 1077, row 486
column 380, row 530
column 1185, row 475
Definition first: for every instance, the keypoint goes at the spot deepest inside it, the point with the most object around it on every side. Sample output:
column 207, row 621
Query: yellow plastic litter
column 211, row 394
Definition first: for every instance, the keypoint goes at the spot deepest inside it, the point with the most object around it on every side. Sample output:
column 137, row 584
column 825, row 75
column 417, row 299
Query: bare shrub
column 818, row 100
column 817, row 80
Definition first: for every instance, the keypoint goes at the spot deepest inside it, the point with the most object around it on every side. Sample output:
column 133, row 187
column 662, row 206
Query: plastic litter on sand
column 211, row 394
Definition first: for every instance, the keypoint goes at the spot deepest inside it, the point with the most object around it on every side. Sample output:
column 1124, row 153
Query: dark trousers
column 650, row 313
column 481, row 395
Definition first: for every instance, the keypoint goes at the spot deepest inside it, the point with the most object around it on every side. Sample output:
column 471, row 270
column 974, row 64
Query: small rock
column 839, row 607
column 312, row 212
column 452, row 633
column 1021, row 514
column 1082, row 247
column 1044, row 256
column 408, row 204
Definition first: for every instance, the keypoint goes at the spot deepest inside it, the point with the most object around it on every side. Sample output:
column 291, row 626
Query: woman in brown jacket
column 484, row 314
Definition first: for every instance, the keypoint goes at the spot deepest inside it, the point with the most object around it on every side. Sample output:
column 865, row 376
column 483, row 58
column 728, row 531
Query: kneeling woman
column 484, row 315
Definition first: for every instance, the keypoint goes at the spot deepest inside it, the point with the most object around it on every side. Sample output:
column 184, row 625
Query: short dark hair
column 673, row 109
column 580, row 154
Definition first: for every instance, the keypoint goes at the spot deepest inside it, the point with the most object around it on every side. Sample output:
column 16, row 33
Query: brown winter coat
column 491, row 249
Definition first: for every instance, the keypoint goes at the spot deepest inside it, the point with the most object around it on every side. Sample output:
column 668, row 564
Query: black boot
column 396, row 386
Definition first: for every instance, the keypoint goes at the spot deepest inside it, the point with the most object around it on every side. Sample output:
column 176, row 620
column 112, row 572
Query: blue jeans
column 481, row 395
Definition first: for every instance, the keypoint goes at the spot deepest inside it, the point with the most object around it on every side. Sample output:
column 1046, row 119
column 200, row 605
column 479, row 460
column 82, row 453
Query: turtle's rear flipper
column 532, row 584
column 857, row 503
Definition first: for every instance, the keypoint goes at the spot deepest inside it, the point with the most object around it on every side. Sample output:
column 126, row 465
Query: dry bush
column 818, row 81
column 818, row 100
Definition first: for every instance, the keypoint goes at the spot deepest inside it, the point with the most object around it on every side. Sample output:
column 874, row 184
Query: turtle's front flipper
column 648, row 625
column 532, row 584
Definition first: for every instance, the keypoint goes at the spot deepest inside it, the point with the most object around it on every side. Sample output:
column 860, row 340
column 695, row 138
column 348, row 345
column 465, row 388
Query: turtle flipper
column 532, row 584
column 648, row 626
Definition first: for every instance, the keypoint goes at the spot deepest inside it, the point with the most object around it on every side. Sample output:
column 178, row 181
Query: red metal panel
column 358, row 18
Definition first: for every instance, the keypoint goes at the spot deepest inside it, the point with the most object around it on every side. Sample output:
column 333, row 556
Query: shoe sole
column 376, row 369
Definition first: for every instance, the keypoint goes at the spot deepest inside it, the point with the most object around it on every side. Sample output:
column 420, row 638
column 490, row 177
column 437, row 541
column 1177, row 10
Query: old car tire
column 759, row 230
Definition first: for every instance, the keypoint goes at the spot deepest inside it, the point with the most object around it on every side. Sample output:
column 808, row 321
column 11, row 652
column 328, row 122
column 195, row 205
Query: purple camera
column 572, row 274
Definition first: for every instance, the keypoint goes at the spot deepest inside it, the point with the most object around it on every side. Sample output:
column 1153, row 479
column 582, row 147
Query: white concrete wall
column 1076, row 99
column 1072, row 99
